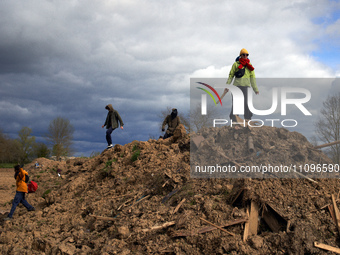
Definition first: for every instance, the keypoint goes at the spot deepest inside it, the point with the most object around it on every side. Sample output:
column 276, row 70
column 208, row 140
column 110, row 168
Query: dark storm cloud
column 70, row 59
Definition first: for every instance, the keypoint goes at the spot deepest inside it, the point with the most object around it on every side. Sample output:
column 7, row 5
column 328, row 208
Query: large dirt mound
column 140, row 199
column 260, row 152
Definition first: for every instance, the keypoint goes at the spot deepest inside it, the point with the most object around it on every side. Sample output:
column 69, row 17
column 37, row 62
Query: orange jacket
column 20, row 181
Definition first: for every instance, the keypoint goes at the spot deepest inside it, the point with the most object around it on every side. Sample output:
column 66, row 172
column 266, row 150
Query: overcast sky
column 71, row 58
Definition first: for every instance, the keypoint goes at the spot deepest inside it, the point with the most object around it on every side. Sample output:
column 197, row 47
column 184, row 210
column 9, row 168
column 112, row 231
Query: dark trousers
column 19, row 198
column 108, row 135
column 166, row 135
column 247, row 113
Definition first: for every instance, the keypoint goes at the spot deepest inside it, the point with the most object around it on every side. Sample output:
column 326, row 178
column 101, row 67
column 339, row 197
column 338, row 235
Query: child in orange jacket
column 21, row 177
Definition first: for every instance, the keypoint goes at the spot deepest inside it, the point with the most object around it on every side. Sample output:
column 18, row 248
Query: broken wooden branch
column 331, row 211
column 326, row 145
column 169, row 195
column 125, row 203
column 336, row 213
column 165, row 183
column 325, row 206
column 246, row 227
column 327, row 247
column 203, row 230
column 140, row 200
column 222, row 229
column 136, row 202
column 253, row 218
column 304, row 176
column 250, row 144
column 224, row 93
column 179, row 205
column 165, row 225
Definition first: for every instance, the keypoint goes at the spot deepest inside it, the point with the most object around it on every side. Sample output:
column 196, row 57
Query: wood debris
column 250, row 144
column 222, row 229
column 253, row 218
column 207, row 228
column 336, row 213
column 326, row 247
column 274, row 220
column 178, row 206
column 169, row 195
column 165, row 225
column 246, row 227
column 326, row 145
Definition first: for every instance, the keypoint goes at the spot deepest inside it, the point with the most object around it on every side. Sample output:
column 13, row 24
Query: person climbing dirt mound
column 139, row 198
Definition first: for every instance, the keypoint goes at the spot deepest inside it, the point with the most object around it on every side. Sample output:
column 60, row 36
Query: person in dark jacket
column 172, row 120
column 111, row 123
column 22, row 178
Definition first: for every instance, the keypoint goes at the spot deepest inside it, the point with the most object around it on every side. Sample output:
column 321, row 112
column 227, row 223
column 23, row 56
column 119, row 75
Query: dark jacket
column 172, row 123
column 112, row 118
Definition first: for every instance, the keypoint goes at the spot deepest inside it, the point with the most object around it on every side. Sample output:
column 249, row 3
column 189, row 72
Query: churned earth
column 140, row 199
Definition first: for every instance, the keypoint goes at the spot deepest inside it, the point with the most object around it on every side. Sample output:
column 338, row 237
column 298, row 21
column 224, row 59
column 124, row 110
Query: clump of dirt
column 140, row 199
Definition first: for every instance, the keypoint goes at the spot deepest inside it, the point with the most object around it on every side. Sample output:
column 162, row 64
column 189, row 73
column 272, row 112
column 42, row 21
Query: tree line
column 59, row 136
column 24, row 149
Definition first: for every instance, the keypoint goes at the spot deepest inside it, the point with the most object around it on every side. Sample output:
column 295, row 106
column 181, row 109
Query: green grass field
column 7, row 165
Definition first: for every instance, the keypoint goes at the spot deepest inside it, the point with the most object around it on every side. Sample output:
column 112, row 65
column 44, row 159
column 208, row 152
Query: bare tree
column 60, row 136
column 198, row 121
column 313, row 140
column 328, row 126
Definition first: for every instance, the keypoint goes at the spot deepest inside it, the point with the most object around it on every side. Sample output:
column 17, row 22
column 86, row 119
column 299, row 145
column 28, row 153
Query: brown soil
column 7, row 188
column 112, row 203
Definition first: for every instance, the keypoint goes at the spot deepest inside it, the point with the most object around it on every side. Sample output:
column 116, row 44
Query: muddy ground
column 140, row 199
column 7, row 188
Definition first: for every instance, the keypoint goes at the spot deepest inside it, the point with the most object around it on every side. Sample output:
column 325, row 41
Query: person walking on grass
column 243, row 82
column 22, row 178
column 111, row 123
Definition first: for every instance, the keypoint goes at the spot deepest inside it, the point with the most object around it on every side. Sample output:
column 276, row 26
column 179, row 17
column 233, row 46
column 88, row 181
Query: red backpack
column 32, row 187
